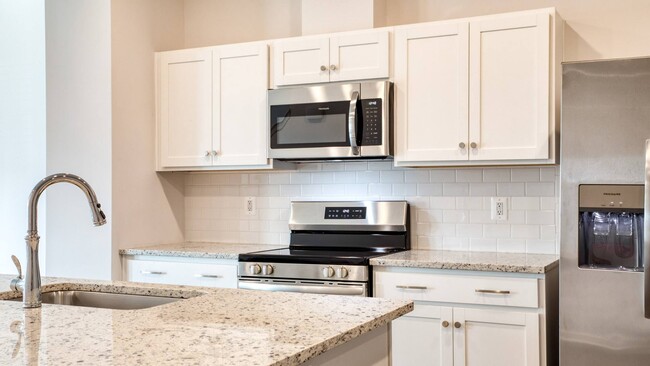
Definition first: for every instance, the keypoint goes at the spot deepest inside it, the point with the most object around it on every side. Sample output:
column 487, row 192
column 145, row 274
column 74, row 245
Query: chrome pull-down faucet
column 31, row 285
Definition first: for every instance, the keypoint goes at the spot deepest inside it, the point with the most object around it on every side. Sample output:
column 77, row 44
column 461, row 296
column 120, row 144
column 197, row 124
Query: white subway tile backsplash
column 496, row 175
column 540, row 189
column 279, row 178
column 442, row 175
column 469, row 175
column 367, row 177
column 300, row 178
column 391, row 176
column 416, row 176
column 525, row 175
column 482, row 244
column 482, row 189
column 345, row 177
column 429, row 189
column 511, row 189
column 455, row 189
column 449, row 207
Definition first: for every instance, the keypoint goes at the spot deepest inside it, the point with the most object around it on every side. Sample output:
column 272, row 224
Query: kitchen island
column 207, row 327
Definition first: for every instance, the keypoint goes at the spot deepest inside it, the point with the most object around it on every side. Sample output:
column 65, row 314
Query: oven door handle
column 303, row 288
column 352, row 122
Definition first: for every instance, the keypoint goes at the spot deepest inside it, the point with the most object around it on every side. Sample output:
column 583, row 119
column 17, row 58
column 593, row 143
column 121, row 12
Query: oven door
column 314, row 122
column 305, row 286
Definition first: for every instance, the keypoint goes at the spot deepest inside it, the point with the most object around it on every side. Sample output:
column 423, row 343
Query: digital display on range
column 345, row 213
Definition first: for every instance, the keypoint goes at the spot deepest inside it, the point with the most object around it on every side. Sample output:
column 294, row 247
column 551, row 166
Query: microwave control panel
column 371, row 118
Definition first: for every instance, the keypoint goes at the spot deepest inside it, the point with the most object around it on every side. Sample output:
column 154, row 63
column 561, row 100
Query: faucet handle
column 18, row 266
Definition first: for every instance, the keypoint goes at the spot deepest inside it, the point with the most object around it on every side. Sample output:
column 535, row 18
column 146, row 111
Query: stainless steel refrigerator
column 604, row 203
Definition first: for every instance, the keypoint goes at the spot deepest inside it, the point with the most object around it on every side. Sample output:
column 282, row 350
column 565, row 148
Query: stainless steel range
column 330, row 248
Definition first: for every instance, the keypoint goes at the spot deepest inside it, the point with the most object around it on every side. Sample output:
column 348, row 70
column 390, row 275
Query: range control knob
column 328, row 272
column 267, row 269
column 342, row 272
column 254, row 269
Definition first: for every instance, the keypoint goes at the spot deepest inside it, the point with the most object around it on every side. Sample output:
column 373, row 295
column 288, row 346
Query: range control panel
column 371, row 117
column 345, row 213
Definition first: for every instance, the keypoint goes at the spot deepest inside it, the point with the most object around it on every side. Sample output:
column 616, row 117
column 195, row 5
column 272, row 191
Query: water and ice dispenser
column 611, row 227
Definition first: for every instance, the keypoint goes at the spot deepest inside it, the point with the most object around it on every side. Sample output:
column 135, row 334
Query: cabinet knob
column 214, row 153
column 207, row 153
column 445, row 324
column 473, row 145
column 332, row 67
column 323, row 68
column 462, row 145
column 457, row 325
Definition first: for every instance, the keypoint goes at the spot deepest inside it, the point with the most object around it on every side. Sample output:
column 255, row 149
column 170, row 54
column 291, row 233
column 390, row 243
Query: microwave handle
column 352, row 122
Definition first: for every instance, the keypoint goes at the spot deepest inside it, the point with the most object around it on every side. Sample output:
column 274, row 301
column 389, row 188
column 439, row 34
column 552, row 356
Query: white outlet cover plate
column 250, row 206
column 499, row 208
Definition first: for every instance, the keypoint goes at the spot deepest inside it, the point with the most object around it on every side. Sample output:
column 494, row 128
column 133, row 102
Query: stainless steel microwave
column 330, row 122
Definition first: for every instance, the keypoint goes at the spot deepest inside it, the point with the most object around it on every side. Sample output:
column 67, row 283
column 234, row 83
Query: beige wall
column 147, row 207
column 209, row 22
column 595, row 29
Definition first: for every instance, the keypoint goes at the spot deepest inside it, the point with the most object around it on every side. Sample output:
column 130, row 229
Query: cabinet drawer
column 457, row 288
column 181, row 273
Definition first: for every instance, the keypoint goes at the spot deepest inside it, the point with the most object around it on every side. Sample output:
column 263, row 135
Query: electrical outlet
column 499, row 208
column 250, row 207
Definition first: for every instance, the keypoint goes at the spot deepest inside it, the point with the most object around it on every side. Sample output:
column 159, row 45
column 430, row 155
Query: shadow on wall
column 173, row 185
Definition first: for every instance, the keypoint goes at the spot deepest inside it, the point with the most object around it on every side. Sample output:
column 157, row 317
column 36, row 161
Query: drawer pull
column 208, row 276
column 153, row 272
column 498, row 292
column 406, row 287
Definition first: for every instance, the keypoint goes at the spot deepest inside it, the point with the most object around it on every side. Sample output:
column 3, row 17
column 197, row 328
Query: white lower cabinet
column 471, row 318
column 181, row 271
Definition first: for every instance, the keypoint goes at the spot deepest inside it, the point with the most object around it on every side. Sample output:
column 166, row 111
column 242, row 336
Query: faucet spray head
column 99, row 218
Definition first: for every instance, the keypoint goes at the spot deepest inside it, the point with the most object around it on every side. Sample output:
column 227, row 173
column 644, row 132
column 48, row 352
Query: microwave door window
column 310, row 125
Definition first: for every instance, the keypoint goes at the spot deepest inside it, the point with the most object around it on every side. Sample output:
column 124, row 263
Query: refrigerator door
column 605, row 124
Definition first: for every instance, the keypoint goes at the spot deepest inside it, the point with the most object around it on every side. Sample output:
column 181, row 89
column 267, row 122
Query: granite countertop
column 199, row 250
column 211, row 327
column 471, row 261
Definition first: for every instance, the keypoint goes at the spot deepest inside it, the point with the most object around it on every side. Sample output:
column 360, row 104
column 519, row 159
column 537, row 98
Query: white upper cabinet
column 212, row 108
column 185, row 111
column 431, row 91
column 477, row 91
column 509, row 87
column 354, row 56
column 240, row 80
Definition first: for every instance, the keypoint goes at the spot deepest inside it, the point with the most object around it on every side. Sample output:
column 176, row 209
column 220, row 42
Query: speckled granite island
column 209, row 327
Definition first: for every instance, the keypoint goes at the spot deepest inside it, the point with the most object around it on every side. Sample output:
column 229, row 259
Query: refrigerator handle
column 646, row 233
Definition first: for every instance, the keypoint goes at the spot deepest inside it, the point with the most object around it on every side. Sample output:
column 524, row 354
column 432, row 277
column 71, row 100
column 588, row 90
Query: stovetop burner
column 311, row 256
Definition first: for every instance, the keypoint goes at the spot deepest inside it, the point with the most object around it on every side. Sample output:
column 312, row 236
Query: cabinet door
column 182, row 273
column 431, row 92
column 239, row 94
column 509, row 87
column 301, row 61
column 359, row 56
column 490, row 337
column 185, row 120
column 420, row 338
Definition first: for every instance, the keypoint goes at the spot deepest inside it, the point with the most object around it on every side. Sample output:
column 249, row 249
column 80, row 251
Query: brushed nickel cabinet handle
column 332, row 67
column 462, row 145
column 498, row 292
column 323, row 68
column 408, row 287
column 473, row 145
column 153, row 272
column 457, row 325
column 208, row 276
column 445, row 324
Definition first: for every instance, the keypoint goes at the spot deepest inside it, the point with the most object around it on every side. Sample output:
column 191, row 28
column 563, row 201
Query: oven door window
column 310, row 125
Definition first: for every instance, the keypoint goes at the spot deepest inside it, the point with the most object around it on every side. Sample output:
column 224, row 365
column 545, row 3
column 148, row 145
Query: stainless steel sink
column 105, row 300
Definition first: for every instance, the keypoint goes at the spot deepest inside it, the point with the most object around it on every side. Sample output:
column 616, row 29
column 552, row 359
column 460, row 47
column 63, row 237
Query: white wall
column 78, row 51
column 147, row 207
column 22, row 120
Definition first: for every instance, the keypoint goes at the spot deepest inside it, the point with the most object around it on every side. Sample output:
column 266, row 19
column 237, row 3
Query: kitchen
column 99, row 105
